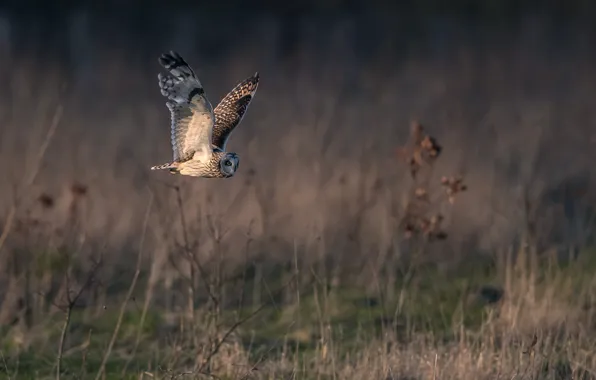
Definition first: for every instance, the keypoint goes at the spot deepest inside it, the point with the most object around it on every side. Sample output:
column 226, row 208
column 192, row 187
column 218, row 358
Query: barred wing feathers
column 230, row 111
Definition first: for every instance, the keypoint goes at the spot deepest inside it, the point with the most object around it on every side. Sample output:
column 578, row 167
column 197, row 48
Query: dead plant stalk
column 128, row 294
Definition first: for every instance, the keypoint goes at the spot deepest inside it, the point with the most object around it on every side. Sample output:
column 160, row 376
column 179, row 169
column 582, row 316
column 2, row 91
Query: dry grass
column 328, row 256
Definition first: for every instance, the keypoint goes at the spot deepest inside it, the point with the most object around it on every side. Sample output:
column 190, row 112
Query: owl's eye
column 227, row 163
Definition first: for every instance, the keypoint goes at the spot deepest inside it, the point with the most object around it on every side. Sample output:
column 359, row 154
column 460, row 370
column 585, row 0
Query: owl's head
column 228, row 164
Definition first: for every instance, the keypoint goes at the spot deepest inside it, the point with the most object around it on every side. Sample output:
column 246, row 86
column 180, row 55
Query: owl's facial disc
column 229, row 164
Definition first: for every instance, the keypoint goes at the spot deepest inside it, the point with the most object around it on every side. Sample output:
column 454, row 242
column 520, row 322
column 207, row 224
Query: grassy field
column 517, row 313
column 351, row 244
column 436, row 325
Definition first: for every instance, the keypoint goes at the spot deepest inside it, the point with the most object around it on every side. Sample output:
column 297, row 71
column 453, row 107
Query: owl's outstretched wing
column 191, row 112
column 231, row 109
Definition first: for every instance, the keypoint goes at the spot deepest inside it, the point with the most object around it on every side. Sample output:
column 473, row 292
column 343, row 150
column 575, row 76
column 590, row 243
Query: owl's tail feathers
column 171, row 166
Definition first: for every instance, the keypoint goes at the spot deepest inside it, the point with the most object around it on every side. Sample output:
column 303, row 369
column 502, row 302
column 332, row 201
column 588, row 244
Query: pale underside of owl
column 200, row 132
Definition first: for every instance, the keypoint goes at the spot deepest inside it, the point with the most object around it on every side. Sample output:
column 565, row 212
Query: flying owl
column 200, row 132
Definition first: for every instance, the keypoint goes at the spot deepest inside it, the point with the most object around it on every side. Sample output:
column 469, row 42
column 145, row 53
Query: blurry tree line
column 494, row 7
column 52, row 29
column 496, row 10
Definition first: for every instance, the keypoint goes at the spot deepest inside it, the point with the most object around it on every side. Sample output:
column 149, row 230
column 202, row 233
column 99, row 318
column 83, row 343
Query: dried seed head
column 431, row 146
column 436, row 219
column 453, row 186
column 409, row 230
column 421, row 193
column 46, row 201
column 425, row 226
column 427, row 143
column 78, row 190
column 421, row 149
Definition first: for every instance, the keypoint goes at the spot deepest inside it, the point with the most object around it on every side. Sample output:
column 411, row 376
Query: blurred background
column 506, row 87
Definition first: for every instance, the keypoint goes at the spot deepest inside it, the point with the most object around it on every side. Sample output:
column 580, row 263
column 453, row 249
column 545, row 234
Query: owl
column 199, row 132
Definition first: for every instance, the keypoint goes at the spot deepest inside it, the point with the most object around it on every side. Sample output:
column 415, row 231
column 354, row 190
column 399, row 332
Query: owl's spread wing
column 231, row 109
column 191, row 112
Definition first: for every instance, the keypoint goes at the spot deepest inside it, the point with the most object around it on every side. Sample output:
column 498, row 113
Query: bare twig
column 62, row 339
column 202, row 370
column 71, row 302
column 233, row 328
column 5, row 365
column 141, row 324
column 85, row 348
column 108, row 352
column 194, row 260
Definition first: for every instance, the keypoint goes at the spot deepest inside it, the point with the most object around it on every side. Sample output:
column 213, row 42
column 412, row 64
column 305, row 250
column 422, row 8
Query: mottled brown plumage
column 230, row 111
column 198, row 132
